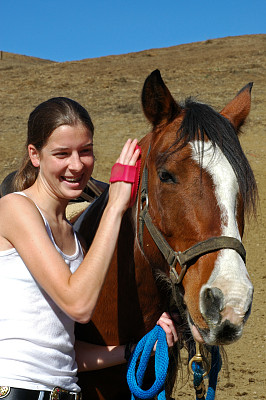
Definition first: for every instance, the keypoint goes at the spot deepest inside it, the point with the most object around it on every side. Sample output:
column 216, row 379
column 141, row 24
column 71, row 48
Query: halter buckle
column 175, row 277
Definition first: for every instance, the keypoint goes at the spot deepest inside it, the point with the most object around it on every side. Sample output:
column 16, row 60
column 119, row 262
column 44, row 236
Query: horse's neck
column 129, row 302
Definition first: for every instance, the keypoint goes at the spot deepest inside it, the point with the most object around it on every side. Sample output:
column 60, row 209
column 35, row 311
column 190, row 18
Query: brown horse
column 180, row 245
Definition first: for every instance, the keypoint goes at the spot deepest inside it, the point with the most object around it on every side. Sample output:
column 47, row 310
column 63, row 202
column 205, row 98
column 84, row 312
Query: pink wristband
column 124, row 173
column 127, row 173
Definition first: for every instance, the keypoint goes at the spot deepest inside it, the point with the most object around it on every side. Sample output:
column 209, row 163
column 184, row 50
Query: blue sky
column 64, row 30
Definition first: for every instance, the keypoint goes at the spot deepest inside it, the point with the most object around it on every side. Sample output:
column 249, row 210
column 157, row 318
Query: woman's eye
column 166, row 177
column 86, row 152
column 63, row 154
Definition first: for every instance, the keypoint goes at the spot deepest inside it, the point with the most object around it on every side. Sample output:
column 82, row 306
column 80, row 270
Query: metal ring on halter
column 146, row 201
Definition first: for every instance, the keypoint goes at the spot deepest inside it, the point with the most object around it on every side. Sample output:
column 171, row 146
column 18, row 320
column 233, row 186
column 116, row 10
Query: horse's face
column 194, row 194
column 224, row 290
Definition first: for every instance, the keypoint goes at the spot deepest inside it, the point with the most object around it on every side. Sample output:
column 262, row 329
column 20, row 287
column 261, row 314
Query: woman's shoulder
column 15, row 207
column 9, row 199
column 14, row 199
column 17, row 215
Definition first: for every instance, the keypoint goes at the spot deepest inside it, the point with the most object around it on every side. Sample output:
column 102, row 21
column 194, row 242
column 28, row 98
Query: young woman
column 46, row 283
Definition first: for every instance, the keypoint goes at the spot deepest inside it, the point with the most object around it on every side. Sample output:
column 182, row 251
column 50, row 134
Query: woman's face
column 66, row 161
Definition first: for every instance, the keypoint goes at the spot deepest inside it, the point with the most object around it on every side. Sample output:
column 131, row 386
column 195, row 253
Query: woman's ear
column 34, row 155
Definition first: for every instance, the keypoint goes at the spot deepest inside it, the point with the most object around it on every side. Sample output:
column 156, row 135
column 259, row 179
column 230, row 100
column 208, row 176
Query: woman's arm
column 91, row 356
column 76, row 294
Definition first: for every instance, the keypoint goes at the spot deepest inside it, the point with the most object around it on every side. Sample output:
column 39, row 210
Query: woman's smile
column 72, row 180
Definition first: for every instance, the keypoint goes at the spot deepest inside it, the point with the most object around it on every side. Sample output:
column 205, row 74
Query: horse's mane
column 201, row 120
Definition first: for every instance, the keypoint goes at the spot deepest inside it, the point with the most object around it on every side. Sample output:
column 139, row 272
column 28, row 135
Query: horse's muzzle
column 225, row 317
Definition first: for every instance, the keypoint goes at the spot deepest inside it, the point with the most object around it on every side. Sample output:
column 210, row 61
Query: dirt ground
column 109, row 87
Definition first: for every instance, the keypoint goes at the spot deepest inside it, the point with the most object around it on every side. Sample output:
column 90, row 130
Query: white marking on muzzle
column 229, row 274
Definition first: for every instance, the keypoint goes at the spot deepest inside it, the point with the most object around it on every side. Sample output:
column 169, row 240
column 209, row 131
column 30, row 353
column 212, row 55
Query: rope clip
column 197, row 359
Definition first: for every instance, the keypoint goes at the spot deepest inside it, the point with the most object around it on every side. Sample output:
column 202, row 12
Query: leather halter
column 171, row 256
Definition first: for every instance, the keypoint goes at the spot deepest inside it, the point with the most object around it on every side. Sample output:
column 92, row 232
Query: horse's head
column 198, row 185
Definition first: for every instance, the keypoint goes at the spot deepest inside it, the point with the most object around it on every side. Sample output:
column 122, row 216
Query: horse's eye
column 166, row 177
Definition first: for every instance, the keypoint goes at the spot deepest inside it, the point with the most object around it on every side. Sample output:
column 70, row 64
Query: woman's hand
column 120, row 192
column 167, row 323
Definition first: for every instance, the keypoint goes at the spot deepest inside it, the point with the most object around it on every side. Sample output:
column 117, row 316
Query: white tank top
column 36, row 336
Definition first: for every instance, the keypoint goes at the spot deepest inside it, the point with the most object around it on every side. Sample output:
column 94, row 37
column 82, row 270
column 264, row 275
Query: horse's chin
column 196, row 334
column 224, row 334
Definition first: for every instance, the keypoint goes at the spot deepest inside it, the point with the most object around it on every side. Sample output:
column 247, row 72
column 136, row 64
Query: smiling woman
column 47, row 282
column 63, row 114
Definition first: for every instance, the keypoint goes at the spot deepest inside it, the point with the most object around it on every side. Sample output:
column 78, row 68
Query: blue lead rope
column 142, row 353
column 213, row 375
column 143, row 350
column 216, row 364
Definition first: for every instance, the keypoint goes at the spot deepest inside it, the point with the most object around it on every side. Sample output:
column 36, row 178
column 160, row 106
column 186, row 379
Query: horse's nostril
column 212, row 301
column 214, row 298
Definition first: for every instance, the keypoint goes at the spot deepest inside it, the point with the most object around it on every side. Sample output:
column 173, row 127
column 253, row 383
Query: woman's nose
column 75, row 163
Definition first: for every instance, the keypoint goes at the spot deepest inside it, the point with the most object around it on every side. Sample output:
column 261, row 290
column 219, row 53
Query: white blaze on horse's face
column 229, row 279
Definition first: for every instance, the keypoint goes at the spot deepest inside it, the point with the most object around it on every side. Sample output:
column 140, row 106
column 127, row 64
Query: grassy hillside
column 110, row 88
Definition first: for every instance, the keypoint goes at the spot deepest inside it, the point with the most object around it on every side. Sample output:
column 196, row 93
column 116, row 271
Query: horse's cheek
column 197, row 276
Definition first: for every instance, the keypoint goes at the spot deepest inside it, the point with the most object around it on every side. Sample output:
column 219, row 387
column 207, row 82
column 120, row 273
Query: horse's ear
column 158, row 104
column 238, row 109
